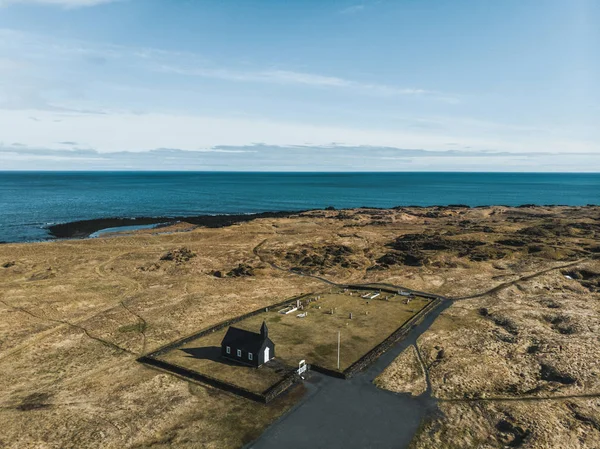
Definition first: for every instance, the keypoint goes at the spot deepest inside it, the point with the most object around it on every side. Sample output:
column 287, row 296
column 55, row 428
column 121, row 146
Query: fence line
column 290, row 378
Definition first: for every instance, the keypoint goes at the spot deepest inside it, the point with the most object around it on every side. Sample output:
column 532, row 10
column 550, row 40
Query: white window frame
column 239, row 352
column 228, row 349
column 250, row 356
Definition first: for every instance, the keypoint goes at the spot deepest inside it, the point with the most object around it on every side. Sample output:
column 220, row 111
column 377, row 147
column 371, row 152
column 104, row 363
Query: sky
column 300, row 85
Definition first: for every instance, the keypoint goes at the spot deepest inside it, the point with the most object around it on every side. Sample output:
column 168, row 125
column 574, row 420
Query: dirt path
column 142, row 326
column 528, row 277
column 67, row 323
column 429, row 389
column 100, row 270
column 525, row 398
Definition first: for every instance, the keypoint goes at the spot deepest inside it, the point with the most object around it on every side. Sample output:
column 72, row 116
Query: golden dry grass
column 75, row 315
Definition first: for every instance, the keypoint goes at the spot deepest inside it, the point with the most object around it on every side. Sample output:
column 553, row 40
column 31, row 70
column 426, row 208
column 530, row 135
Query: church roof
column 244, row 340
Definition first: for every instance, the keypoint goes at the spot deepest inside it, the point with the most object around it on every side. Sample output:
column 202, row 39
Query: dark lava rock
column 217, row 274
column 582, row 274
column 343, row 216
column 566, row 329
column 560, row 229
column 532, row 249
column 561, row 324
column 551, row 374
column 505, row 323
column 9, row 264
column 586, row 278
column 510, row 434
column 318, row 258
column 512, row 242
column 81, row 229
column 484, row 253
column 241, row 270
column 178, row 256
column 399, row 258
column 550, row 303
column 415, row 243
column 440, row 355
column 420, row 242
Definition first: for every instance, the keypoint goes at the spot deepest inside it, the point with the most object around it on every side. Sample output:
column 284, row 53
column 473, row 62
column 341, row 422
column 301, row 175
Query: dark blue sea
column 30, row 201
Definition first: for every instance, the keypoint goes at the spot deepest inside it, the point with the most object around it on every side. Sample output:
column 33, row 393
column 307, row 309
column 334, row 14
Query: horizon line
column 299, row 171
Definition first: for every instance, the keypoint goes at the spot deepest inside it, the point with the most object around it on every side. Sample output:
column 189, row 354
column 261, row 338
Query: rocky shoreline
column 85, row 228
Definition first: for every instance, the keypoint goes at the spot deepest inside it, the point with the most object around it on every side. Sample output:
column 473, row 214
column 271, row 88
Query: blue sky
column 396, row 85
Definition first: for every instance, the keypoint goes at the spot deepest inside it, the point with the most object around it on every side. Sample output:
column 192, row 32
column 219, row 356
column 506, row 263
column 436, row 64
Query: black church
column 249, row 348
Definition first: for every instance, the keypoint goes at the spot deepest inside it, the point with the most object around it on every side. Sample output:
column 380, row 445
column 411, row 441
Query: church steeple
column 264, row 330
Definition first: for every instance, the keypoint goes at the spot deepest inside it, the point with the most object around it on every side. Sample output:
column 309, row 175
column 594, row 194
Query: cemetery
column 330, row 331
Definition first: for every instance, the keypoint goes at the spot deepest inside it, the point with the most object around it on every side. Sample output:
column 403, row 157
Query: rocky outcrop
column 242, row 270
column 316, row 259
column 179, row 256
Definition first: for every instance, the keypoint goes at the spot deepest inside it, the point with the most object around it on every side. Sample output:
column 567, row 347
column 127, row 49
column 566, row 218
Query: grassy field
column 75, row 315
column 312, row 338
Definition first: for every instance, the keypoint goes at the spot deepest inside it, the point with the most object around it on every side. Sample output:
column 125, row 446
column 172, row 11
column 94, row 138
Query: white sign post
column 302, row 367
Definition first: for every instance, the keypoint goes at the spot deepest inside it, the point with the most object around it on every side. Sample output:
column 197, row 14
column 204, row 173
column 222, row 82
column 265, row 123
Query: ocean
column 30, row 201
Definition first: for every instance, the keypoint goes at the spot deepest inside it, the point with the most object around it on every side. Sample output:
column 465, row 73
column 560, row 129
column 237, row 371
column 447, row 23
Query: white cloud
column 297, row 78
column 62, row 3
column 352, row 9
column 43, row 51
column 295, row 157
column 117, row 131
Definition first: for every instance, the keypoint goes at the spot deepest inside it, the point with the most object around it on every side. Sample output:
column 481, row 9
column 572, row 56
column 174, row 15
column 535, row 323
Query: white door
column 267, row 354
